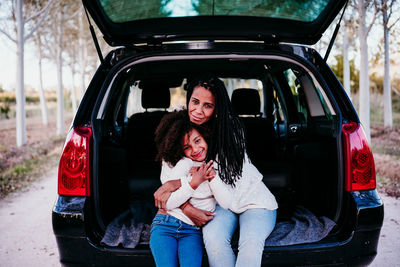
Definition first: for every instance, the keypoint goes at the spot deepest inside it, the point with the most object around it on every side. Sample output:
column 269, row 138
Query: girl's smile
column 194, row 146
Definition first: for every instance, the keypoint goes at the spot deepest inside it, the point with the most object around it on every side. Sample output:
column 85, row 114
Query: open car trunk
column 292, row 130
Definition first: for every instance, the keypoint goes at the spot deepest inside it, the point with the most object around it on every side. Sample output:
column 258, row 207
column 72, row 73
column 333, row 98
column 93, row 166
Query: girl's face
column 194, row 146
column 201, row 105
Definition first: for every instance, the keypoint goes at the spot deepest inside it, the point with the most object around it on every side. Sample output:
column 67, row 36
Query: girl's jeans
column 255, row 227
column 174, row 242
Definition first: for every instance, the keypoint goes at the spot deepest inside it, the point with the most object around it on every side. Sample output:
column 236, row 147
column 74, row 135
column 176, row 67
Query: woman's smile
column 196, row 118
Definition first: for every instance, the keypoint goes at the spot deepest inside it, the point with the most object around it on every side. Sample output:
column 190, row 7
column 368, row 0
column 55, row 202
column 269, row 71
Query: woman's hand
column 199, row 217
column 163, row 192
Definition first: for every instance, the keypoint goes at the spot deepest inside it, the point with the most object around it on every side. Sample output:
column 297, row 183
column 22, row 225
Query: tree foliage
column 121, row 11
column 299, row 10
column 354, row 72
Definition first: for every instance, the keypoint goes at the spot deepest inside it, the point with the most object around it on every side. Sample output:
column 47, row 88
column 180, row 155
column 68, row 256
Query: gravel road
column 26, row 235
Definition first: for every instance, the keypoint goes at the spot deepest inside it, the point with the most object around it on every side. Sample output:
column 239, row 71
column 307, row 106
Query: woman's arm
column 222, row 192
column 197, row 216
column 164, row 191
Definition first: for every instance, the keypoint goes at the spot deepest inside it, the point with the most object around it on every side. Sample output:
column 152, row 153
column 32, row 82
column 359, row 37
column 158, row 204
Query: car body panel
column 359, row 249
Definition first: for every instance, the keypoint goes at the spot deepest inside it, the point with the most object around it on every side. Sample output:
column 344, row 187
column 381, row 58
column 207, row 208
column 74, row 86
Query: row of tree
column 360, row 17
column 60, row 33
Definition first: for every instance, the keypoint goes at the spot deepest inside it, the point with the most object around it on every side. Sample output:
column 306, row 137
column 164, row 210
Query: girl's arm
column 183, row 169
column 168, row 186
column 182, row 194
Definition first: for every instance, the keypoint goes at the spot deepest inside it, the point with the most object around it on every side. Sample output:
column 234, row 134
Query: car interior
column 288, row 118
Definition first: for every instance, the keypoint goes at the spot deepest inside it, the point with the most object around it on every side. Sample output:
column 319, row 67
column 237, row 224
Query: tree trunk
column 45, row 117
column 73, row 91
column 20, row 90
column 364, row 79
column 346, row 64
column 60, row 92
column 387, row 98
column 82, row 56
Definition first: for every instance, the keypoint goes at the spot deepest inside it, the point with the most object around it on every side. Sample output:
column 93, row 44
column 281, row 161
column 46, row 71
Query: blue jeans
column 174, row 242
column 255, row 227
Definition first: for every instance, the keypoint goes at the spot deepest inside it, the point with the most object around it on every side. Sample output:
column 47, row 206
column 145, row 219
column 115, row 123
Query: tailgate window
column 128, row 10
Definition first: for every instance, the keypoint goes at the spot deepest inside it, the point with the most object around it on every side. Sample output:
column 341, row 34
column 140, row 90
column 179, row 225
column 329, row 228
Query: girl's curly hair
column 170, row 133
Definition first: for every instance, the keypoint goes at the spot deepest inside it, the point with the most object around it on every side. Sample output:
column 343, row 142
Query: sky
column 8, row 67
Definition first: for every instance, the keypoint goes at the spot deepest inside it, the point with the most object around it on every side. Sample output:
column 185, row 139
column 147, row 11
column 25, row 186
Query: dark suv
column 303, row 133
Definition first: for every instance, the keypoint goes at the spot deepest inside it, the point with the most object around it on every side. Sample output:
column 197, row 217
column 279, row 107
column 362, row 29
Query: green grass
column 377, row 113
column 387, row 185
column 392, row 151
column 21, row 175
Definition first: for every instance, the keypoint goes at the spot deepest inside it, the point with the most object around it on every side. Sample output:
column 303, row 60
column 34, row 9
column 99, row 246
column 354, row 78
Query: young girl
column 174, row 237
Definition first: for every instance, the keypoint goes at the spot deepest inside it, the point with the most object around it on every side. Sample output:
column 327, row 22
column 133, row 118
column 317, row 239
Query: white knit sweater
column 249, row 193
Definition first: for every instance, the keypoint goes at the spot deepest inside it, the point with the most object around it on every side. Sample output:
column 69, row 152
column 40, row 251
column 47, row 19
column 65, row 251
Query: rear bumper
column 76, row 248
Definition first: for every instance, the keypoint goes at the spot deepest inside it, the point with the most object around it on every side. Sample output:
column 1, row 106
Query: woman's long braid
column 227, row 143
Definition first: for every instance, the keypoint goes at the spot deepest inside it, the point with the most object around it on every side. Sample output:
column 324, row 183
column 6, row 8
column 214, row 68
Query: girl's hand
column 210, row 172
column 193, row 170
column 163, row 192
column 201, row 174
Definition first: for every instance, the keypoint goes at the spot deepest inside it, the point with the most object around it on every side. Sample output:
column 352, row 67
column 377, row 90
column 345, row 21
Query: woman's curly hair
column 170, row 133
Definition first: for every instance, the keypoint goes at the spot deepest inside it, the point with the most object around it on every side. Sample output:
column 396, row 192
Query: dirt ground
column 38, row 135
column 26, row 233
column 386, row 150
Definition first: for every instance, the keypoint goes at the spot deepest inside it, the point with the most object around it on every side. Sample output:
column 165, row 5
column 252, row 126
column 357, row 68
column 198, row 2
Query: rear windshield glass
column 128, row 10
column 178, row 95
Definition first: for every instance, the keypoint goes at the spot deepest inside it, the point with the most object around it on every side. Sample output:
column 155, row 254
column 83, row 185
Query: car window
column 297, row 93
column 310, row 99
column 134, row 102
column 127, row 10
column 178, row 94
column 232, row 84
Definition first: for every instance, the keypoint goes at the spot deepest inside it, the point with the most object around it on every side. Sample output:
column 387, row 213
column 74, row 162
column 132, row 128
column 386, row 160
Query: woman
column 252, row 206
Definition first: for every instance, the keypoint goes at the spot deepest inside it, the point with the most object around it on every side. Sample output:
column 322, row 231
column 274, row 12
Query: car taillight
column 74, row 167
column 359, row 161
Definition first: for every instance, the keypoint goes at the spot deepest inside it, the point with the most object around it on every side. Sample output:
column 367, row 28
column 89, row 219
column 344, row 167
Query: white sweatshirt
column 249, row 193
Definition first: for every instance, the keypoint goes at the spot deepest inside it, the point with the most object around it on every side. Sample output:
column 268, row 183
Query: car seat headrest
column 156, row 96
column 246, row 101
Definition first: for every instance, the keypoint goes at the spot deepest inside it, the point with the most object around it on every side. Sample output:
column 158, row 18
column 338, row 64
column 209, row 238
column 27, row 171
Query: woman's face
column 194, row 146
column 201, row 105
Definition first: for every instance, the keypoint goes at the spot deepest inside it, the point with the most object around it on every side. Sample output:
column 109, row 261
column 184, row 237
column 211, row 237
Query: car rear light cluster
column 359, row 161
column 74, row 168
